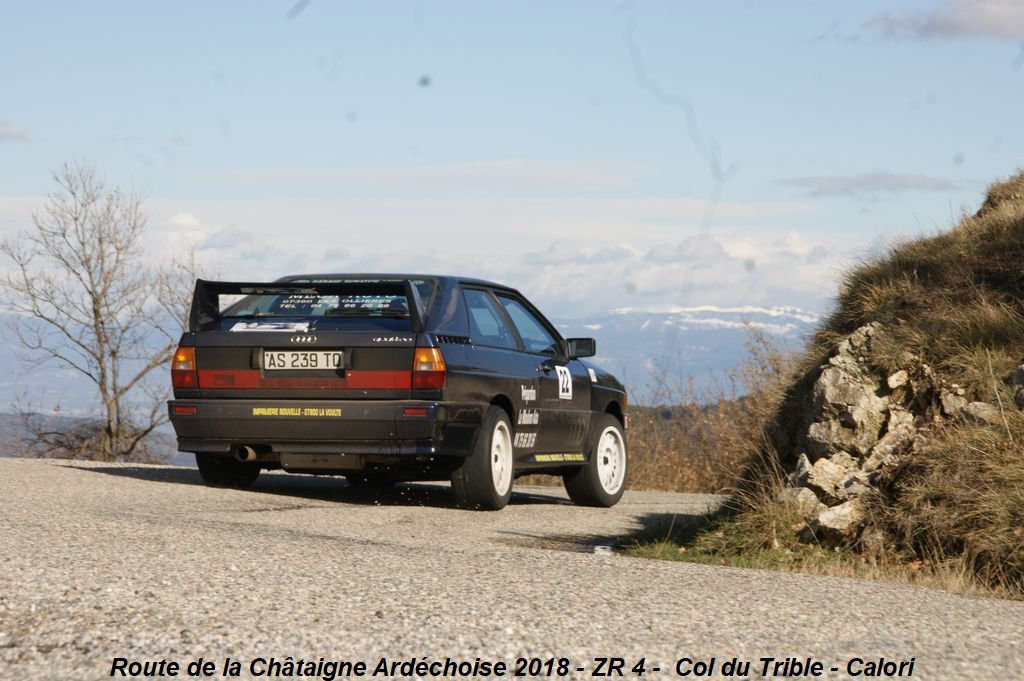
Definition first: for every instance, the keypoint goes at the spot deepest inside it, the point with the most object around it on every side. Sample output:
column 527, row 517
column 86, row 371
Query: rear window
column 309, row 305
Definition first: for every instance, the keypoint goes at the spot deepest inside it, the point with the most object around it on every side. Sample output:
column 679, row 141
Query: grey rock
column 803, row 499
column 824, row 436
column 900, row 433
column 854, row 429
column 981, row 412
column 824, row 479
column 802, row 470
column 1017, row 377
column 900, row 419
column 844, row 461
column 849, row 414
column 898, row 379
column 1018, row 396
column 854, row 485
column 840, row 522
column 952, row 404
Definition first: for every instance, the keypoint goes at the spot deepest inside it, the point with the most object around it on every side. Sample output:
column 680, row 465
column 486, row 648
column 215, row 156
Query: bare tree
column 85, row 298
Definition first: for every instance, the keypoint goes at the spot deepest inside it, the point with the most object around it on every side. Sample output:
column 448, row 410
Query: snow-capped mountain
column 702, row 342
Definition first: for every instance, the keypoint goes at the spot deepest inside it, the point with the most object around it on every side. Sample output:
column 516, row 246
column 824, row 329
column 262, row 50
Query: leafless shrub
column 84, row 298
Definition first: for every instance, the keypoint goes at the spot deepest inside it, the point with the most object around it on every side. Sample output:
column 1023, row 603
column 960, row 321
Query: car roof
column 391, row 275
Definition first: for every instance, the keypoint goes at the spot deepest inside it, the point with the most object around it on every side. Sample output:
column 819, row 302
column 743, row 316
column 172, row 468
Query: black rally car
column 383, row 377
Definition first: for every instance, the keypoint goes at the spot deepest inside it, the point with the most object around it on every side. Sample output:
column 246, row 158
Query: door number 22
column 564, row 383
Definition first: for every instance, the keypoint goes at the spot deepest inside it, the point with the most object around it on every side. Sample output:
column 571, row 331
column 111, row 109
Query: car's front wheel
column 223, row 471
column 602, row 479
column 484, row 480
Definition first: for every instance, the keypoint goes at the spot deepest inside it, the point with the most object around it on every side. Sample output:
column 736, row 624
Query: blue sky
column 566, row 148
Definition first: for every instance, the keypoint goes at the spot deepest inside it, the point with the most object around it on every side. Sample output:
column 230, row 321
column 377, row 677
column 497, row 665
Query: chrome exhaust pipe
column 245, row 453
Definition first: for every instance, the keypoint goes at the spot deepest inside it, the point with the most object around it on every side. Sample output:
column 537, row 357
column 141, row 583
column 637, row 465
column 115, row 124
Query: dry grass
column 960, row 503
column 703, row 442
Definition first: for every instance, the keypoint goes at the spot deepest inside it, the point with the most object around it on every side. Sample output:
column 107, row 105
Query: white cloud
column 184, row 220
column 694, row 250
column 574, row 256
column 226, row 238
column 379, row 225
column 868, row 183
column 510, row 177
column 1001, row 19
column 9, row 132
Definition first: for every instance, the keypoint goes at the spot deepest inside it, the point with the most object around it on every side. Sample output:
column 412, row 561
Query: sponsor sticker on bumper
column 296, row 411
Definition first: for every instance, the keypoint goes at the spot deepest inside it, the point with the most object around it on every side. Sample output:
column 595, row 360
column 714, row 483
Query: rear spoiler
column 205, row 310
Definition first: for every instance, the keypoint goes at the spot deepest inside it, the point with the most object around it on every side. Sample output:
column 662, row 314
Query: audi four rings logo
column 305, row 340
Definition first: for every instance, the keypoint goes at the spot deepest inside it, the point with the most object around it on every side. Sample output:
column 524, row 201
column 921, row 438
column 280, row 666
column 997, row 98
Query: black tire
column 371, row 482
column 584, row 484
column 222, row 471
column 473, row 483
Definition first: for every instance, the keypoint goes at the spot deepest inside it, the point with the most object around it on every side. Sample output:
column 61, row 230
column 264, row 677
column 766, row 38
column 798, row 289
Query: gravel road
column 100, row 561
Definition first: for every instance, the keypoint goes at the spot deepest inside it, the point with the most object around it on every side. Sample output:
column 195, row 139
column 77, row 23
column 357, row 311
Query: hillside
column 899, row 439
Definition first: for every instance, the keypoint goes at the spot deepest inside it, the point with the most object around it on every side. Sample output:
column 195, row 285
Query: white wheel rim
column 501, row 458
column 611, row 460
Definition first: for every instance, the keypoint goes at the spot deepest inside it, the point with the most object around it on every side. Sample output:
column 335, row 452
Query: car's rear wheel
column 602, row 479
column 484, row 480
column 223, row 471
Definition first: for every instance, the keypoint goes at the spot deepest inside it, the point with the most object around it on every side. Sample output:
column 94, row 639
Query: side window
column 535, row 336
column 486, row 324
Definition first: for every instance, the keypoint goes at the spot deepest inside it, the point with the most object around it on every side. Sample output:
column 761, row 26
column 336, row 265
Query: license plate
column 292, row 360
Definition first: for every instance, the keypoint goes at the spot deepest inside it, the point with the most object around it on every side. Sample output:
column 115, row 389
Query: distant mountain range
column 701, row 342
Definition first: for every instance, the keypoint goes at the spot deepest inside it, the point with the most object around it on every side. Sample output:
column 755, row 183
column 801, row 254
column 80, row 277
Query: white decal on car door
column 564, row 383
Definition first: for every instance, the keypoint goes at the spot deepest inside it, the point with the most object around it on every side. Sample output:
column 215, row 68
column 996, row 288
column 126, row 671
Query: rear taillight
column 428, row 369
column 183, row 369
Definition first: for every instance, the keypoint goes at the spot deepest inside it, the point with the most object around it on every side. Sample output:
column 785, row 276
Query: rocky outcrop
column 850, row 413
column 981, row 412
column 860, row 427
column 838, row 522
column 803, row 500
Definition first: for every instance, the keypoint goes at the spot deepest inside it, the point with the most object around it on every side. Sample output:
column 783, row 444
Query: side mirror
column 581, row 347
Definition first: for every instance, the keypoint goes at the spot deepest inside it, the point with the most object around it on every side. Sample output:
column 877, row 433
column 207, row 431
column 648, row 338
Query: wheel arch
column 506, row 404
column 615, row 409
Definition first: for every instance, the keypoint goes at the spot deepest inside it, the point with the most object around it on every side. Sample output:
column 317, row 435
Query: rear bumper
column 385, row 428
